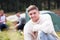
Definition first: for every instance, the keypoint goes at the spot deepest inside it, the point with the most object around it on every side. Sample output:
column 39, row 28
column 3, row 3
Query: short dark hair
column 17, row 12
column 32, row 7
column 2, row 10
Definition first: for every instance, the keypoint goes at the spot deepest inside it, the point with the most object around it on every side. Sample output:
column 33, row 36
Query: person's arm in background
column 19, row 22
column 5, row 18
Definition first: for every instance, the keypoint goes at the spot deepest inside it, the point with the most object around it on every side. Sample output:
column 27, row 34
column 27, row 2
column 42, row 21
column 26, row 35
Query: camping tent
column 55, row 18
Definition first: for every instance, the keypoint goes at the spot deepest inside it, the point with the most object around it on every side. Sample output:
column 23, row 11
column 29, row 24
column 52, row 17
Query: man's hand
column 34, row 34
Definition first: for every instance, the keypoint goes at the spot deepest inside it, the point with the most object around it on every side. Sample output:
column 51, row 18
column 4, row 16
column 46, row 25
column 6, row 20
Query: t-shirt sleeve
column 27, row 35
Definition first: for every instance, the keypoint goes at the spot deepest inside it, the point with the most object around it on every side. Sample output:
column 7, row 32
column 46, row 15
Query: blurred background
column 15, row 5
column 11, row 6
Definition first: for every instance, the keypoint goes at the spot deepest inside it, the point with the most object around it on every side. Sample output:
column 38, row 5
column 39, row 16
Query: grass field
column 13, row 35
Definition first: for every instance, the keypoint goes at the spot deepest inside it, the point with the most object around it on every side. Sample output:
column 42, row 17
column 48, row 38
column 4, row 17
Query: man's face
column 1, row 13
column 18, row 14
column 34, row 15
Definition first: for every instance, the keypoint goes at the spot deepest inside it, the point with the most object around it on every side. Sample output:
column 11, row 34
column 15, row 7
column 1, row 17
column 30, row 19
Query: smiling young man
column 37, row 24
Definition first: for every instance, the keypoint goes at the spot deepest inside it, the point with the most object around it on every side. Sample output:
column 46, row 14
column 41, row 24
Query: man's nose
column 32, row 15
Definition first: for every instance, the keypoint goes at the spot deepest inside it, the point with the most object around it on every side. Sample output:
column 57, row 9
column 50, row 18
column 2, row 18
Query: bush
column 8, row 23
column 4, row 36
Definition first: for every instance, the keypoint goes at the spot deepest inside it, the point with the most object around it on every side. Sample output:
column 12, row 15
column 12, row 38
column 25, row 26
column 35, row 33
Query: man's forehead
column 33, row 11
column 1, row 11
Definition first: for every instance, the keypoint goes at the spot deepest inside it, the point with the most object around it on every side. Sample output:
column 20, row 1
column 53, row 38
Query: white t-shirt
column 43, row 24
column 2, row 19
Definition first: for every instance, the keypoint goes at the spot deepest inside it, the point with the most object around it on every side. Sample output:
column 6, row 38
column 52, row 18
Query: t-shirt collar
column 36, row 22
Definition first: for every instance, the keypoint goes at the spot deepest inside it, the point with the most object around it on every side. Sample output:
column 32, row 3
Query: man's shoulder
column 28, row 23
column 45, row 16
column 28, row 27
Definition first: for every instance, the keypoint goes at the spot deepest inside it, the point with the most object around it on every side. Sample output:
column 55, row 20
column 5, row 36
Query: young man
column 2, row 20
column 37, row 24
column 21, row 22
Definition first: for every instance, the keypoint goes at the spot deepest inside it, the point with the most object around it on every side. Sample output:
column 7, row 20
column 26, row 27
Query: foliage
column 4, row 36
column 9, row 35
column 9, row 23
column 15, row 5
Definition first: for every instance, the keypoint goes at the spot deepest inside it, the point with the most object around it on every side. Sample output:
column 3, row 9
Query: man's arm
column 27, row 35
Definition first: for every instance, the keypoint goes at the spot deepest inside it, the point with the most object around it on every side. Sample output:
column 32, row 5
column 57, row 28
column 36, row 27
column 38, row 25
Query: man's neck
column 37, row 21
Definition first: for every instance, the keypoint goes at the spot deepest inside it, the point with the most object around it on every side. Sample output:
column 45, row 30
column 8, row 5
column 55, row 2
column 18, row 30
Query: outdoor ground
column 13, row 35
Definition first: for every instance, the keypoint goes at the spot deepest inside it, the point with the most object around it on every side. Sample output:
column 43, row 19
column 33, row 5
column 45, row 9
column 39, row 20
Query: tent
column 55, row 19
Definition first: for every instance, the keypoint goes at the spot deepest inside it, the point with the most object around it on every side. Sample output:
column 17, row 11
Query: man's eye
column 30, row 14
column 34, row 12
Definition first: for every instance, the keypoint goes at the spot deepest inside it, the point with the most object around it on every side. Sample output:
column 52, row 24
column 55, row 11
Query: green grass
column 13, row 35
column 4, row 36
column 58, row 33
